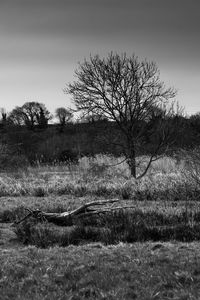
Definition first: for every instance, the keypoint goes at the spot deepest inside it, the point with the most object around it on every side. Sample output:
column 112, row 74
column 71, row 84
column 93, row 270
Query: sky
column 42, row 42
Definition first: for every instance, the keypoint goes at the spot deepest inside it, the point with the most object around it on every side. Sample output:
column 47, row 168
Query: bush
column 39, row 191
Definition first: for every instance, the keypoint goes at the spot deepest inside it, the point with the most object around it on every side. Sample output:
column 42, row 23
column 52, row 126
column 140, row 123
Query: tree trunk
column 131, row 157
column 132, row 166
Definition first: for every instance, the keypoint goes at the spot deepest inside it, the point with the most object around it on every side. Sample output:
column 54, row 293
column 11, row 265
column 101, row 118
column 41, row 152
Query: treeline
column 34, row 115
column 27, row 136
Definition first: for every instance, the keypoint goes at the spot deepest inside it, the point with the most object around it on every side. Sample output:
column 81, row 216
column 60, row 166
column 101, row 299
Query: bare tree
column 64, row 115
column 30, row 114
column 191, row 164
column 128, row 92
column 17, row 117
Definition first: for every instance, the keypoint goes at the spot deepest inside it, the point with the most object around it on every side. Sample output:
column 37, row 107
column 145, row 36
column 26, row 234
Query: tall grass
column 102, row 175
column 121, row 226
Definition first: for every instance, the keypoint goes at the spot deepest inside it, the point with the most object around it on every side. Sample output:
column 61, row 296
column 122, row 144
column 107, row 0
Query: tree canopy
column 64, row 115
column 126, row 91
column 30, row 114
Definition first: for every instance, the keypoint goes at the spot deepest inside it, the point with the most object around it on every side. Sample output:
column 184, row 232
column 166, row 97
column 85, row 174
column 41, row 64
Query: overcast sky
column 42, row 41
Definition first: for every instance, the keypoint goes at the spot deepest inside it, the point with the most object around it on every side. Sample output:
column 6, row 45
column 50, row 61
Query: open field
column 126, row 271
column 150, row 251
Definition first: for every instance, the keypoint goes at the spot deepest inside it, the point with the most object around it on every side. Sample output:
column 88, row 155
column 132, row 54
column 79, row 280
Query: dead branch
column 68, row 218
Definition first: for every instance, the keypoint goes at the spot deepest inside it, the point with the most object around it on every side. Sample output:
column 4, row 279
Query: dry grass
column 93, row 177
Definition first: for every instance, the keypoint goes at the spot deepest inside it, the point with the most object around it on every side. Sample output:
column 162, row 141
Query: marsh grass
column 13, row 208
column 123, row 226
column 93, row 177
column 103, row 258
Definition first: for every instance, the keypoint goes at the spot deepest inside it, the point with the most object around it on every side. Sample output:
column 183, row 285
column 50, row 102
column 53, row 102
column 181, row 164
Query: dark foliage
column 89, row 139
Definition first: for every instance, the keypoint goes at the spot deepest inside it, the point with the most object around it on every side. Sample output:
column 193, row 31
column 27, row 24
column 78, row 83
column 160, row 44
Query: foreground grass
column 138, row 271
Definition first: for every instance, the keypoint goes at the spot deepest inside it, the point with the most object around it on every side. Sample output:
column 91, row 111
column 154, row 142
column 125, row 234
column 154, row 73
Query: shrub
column 39, row 191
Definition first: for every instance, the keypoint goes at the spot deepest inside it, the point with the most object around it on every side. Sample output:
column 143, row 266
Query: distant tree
column 42, row 118
column 17, row 117
column 64, row 115
column 30, row 114
column 195, row 122
column 128, row 92
column 3, row 116
column 194, row 126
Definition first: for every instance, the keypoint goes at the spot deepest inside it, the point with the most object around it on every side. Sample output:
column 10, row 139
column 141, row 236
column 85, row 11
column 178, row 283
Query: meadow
column 149, row 251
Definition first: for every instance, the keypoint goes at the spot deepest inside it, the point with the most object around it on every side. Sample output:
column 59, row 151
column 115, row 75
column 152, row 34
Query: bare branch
column 125, row 91
column 67, row 218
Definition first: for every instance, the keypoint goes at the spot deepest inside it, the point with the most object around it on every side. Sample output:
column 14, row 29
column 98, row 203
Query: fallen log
column 70, row 217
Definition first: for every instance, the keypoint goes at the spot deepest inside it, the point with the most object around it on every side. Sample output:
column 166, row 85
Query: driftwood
column 68, row 218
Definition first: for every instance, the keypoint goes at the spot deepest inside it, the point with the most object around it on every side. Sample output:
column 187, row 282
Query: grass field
column 126, row 271
column 150, row 251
